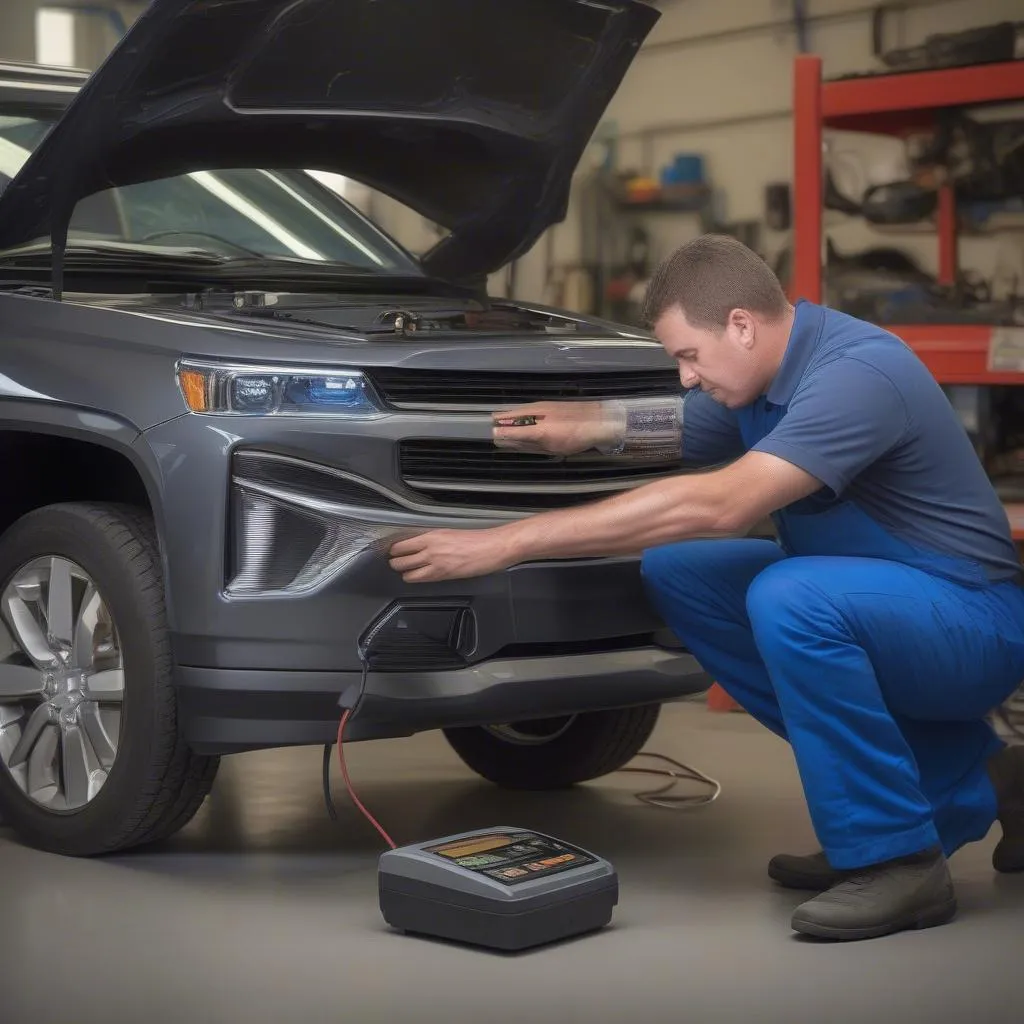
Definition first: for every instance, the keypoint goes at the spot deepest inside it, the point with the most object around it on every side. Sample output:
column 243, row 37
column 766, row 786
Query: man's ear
column 743, row 327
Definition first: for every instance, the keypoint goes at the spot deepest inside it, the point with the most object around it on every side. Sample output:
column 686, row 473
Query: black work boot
column 1006, row 770
column 909, row 892
column 812, row 872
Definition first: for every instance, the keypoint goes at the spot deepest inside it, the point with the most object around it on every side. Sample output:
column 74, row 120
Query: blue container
column 685, row 169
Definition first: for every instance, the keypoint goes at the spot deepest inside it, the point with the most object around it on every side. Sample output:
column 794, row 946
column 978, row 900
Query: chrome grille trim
column 424, row 516
column 482, row 487
column 408, row 508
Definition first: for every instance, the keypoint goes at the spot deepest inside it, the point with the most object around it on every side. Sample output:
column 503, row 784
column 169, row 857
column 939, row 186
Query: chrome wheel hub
column 61, row 684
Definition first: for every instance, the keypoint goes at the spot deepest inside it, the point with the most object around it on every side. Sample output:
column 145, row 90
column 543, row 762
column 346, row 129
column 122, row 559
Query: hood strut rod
column 58, row 248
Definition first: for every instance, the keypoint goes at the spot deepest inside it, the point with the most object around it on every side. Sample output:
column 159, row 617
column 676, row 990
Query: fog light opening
column 417, row 637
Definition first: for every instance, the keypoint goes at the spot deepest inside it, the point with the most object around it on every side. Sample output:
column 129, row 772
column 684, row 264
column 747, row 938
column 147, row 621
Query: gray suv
column 224, row 391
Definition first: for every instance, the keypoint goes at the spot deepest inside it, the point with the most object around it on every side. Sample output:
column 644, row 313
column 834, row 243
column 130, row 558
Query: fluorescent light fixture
column 55, row 37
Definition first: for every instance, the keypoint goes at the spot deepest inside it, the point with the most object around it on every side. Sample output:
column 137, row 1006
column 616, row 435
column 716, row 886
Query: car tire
column 149, row 783
column 555, row 753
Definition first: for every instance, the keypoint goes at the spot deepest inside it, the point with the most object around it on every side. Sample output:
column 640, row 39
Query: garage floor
column 265, row 911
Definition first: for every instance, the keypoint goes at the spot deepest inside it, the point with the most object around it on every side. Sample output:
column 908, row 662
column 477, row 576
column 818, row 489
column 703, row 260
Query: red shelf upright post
column 808, row 190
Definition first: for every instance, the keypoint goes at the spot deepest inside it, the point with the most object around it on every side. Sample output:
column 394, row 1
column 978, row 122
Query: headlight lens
column 275, row 391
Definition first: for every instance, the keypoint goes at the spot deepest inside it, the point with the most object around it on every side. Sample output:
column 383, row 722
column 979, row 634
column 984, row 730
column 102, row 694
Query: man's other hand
column 560, row 428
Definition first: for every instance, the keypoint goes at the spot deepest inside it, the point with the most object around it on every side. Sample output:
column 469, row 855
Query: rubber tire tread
column 186, row 777
column 597, row 743
column 176, row 780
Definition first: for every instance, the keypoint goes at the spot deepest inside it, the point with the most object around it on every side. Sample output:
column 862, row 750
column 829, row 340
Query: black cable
column 350, row 701
column 328, row 801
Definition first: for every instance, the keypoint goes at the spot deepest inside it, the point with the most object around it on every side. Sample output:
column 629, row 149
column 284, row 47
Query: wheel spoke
column 85, row 628
column 106, row 686
column 102, row 745
column 77, row 762
column 28, row 633
column 18, row 682
column 30, row 734
column 59, row 612
column 42, row 767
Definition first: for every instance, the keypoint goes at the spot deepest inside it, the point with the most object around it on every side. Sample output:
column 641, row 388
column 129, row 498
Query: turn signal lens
column 193, row 388
column 275, row 391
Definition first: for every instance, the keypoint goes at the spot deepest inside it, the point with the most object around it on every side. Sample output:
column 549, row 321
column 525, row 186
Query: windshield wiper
column 147, row 266
column 115, row 254
column 98, row 252
column 127, row 257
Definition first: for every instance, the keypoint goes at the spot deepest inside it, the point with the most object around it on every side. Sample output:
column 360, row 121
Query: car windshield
column 264, row 213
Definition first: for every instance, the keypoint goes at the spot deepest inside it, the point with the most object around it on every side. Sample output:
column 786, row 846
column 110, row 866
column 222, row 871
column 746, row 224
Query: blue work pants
column 879, row 675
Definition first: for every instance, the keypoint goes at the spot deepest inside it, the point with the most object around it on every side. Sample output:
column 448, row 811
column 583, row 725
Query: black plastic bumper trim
column 224, row 711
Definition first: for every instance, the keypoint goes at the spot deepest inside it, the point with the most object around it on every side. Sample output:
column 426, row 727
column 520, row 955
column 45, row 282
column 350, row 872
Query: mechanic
column 875, row 636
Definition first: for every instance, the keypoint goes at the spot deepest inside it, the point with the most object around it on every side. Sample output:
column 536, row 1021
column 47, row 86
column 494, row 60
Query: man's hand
column 560, row 428
column 452, row 555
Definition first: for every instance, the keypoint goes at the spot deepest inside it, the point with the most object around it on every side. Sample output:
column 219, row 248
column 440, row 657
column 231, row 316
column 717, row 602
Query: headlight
column 275, row 391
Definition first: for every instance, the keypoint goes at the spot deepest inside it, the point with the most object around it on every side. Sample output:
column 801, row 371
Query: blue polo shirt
column 855, row 407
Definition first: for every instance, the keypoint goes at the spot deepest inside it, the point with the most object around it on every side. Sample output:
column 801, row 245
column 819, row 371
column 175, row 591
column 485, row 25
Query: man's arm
column 722, row 502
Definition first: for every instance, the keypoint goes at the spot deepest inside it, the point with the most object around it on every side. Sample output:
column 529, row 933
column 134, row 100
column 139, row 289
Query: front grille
column 478, row 474
column 436, row 388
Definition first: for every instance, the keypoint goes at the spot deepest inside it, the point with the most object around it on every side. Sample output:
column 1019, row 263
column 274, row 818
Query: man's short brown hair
column 708, row 278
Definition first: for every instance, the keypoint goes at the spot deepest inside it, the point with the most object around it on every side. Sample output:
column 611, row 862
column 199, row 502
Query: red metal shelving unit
column 895, row 104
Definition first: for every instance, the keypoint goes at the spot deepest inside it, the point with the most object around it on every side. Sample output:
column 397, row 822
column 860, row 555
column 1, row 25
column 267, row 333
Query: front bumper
column 263, row 664
column 226, row 711
column 546, row 639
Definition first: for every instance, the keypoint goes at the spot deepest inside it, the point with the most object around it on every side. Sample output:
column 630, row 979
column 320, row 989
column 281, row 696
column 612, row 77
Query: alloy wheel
column 61, row 684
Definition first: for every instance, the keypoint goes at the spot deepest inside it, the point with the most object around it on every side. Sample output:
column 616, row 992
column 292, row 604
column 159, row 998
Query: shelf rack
column 896, row 104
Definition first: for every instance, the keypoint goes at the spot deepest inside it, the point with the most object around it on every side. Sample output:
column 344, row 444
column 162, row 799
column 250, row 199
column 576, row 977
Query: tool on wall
column 986, row 44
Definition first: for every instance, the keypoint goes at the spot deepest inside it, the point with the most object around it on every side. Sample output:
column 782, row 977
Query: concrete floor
column 264, row 910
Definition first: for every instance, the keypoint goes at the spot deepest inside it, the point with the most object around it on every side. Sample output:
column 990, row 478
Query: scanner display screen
column 511, row 857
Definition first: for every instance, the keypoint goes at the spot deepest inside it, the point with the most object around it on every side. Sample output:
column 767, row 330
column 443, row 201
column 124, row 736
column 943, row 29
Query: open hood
column 475, row 113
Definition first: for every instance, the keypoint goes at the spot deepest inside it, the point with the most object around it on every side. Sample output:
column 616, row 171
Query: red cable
column 348, row 784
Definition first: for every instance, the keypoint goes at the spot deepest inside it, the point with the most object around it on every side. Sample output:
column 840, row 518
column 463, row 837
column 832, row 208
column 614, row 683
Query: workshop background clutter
column 712, row 93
